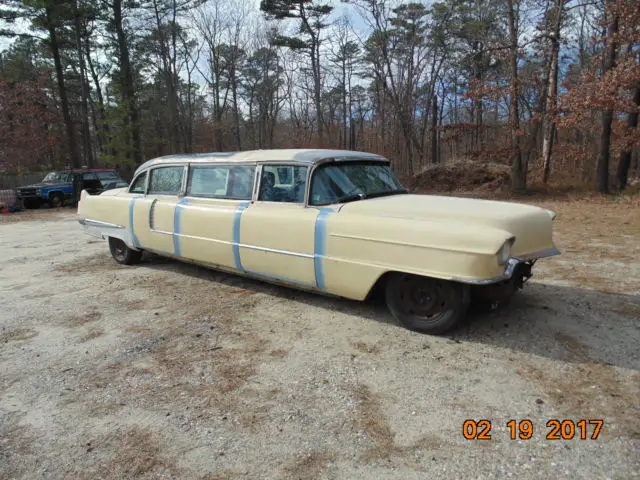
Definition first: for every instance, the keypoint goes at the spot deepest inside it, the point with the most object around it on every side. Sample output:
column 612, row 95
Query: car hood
column 532, row 226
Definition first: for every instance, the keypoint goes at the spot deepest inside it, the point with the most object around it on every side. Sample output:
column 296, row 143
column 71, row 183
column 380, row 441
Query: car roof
column 302, row 156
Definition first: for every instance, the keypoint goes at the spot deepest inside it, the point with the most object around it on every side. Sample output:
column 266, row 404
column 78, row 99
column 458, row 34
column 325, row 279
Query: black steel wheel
column 424, row 304
column 123, row 254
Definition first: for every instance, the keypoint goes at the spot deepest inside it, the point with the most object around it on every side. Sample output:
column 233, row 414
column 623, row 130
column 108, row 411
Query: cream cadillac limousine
column 329, row 221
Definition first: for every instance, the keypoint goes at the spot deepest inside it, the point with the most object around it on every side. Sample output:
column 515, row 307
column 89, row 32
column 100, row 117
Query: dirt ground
column 168, row 370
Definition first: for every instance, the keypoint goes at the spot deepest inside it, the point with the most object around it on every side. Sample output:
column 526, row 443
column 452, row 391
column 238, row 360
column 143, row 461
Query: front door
column 276, row 234
column 153, row 215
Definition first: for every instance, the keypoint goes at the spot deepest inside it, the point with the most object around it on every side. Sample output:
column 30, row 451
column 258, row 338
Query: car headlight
column 505, row 251
column 38, row 191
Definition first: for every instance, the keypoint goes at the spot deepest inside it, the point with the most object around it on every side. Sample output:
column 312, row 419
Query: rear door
column 208, row 217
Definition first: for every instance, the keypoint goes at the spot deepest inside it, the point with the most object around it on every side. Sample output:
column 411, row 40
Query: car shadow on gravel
column 563, row 323
column 557, row 322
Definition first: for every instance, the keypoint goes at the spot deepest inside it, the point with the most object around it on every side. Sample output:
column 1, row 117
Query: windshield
column 338, row 182
column 56, row 177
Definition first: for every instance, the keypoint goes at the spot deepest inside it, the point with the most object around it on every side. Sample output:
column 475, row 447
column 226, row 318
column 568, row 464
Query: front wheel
column 123, row 254
column 426, row 305
column 56, row 200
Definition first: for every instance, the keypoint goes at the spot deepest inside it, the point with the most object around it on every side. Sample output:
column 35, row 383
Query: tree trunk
column 66, row 114
column 86, row 134
column 126, row 80
column 602, row 184
column 101, row 125
column 518, row 174
column 236, row 109
column 622, row 174
column 552, row 93
column 434, row 130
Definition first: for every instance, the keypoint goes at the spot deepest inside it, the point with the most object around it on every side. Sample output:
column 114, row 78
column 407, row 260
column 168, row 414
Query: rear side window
column 89, row 176
column 221, row 181
column 138, row 184
column 166, row 180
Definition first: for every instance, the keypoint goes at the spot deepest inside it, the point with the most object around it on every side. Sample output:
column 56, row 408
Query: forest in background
column 550, row 88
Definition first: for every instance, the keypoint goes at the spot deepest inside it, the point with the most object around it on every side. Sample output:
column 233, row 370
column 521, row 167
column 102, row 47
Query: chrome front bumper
column 511, row 266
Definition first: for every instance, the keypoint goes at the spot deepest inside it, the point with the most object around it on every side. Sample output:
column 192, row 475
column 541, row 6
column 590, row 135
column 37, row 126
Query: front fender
column 360, row 249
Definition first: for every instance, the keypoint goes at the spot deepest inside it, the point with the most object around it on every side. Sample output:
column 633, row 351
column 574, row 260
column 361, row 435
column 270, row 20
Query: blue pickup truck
column 58, row 187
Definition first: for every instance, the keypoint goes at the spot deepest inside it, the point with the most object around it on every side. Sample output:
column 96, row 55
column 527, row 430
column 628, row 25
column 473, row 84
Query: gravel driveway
column 168, row 370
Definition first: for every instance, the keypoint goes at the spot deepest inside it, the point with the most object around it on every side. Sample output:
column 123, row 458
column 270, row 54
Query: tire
column 123, row 254
column 426, row 305
column 56, row 200
column 32, row 203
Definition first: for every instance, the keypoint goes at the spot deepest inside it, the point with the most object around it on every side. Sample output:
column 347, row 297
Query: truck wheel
column 123, row 254
column 56, row 200
column 424, row 304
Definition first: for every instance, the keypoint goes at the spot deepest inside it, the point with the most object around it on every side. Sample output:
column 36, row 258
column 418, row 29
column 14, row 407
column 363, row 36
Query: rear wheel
column 424, row 304
column 122, row 253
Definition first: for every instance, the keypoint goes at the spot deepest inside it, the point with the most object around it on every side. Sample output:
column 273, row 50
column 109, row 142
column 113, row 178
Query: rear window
column 108, row 176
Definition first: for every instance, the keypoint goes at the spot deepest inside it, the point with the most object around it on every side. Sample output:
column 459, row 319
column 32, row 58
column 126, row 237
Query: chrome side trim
column 96, row 223
column 160, row 231
column 242, row 245
column 274, row 250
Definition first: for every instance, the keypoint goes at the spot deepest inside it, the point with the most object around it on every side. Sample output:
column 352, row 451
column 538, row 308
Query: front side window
column 138, row 184
column 340, row 182
column 221, row 181
column 283, row 183
column 166, row 180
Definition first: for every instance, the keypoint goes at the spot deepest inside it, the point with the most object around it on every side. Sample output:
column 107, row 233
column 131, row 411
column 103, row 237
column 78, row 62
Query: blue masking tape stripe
column 236, row 234
column 176, row 225
column 320, row 245
column 136, row 243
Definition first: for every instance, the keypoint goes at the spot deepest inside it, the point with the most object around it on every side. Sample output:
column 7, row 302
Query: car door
column 207, row 217
column 153, row 215
column 275, row 234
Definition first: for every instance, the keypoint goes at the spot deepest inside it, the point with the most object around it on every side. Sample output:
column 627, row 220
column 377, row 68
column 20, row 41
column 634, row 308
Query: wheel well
column 377, row 290
column 56, row 193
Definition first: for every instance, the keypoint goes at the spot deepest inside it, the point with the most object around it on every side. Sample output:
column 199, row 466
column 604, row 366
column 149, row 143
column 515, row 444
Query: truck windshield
column 56, row 177
column 348, row 181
